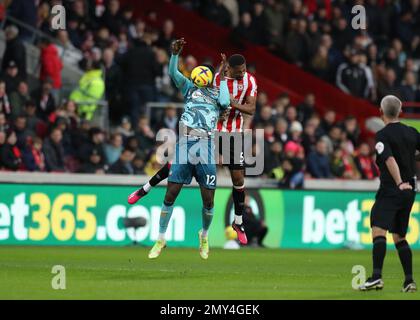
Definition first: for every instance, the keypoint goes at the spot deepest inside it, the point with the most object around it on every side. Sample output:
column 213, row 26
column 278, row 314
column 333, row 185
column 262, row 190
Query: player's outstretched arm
column 250, row 100
column 224, row 97
column 181, row 82
column 248, row 107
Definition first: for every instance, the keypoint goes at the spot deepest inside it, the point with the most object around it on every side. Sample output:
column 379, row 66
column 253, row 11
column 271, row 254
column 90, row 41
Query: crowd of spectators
column 299, row 144
column 125, row 62
column 318, row 35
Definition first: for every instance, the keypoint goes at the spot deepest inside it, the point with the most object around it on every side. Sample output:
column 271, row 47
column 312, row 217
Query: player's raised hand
column 224, row 114
column 233, row 101
column 177, row 46
column 223, row 66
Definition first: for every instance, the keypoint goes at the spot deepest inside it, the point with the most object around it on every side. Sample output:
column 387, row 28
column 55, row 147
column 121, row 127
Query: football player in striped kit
column 243, row 91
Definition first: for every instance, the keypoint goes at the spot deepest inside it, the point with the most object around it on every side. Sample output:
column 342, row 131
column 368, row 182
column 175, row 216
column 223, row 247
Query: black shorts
column 391, row 210
column 231, row 146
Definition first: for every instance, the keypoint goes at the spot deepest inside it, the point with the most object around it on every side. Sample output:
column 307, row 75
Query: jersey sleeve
column 181, row 82
column 216, row 80
column 252, row 88
column 382, row 147
column 224, row 97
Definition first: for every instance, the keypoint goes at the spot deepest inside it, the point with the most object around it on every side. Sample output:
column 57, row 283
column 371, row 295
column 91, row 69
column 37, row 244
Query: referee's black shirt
column 401, row 142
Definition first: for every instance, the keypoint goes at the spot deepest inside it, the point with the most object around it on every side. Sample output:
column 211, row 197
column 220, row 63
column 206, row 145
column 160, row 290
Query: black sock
column 161, row 175
column 378, row 255
column 406, row 258
column 239, row 200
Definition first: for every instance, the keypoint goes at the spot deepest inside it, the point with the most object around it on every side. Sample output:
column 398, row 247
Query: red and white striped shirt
column 239, row 89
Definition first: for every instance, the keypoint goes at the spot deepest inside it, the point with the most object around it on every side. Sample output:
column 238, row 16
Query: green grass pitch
column 126, row 273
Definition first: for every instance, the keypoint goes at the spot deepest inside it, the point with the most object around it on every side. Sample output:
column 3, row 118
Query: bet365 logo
column 58, row 21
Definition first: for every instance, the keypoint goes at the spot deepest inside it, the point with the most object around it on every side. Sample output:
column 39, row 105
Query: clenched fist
column 177, row 46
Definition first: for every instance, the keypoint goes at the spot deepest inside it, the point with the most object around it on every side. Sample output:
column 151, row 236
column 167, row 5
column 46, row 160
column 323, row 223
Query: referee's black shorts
column 391, row 210
column 231, row 147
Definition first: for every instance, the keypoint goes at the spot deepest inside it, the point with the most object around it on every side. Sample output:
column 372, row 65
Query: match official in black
column 396, row 146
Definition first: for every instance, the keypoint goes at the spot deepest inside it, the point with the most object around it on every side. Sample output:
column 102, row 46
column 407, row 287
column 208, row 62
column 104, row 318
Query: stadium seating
column 273, row 74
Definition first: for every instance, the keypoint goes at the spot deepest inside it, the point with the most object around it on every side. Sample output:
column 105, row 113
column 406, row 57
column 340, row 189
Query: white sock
column 161, row 236
column 147, row 187
column 204, row 233
column 238, row 219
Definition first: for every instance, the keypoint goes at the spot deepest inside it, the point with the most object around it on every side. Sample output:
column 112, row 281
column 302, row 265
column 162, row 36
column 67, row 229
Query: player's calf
column 165, row 216
column 406, row 259
column 238, row 194
column 162, row 174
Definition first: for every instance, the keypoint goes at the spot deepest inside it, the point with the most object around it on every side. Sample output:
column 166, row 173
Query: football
column 201, row 76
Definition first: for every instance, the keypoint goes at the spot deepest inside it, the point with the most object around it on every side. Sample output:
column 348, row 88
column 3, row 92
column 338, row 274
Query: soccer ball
column 201, row 76
column 230, row 233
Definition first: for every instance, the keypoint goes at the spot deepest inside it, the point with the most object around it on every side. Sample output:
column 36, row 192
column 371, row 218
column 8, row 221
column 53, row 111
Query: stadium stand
column 314, row 119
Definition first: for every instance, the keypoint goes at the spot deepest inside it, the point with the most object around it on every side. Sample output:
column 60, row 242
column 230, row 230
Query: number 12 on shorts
column 211, row 179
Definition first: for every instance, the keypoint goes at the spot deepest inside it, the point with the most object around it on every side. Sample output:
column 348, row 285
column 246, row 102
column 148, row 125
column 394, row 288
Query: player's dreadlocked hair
column 208, row 65
column 236, row 60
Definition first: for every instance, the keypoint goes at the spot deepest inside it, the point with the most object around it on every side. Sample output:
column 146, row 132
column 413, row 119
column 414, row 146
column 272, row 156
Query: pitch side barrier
column 129, row 180
column 83, row 209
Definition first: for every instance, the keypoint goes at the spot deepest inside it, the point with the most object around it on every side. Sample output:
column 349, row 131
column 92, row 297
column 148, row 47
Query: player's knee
column 238, row 181
column 378, row 232
column 238, row 178
column 208, row 203
column 397, row 238
column 169, row 197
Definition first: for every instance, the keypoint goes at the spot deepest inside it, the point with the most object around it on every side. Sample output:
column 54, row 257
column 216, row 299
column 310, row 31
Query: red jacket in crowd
column 367, row 167
column 51, row 65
